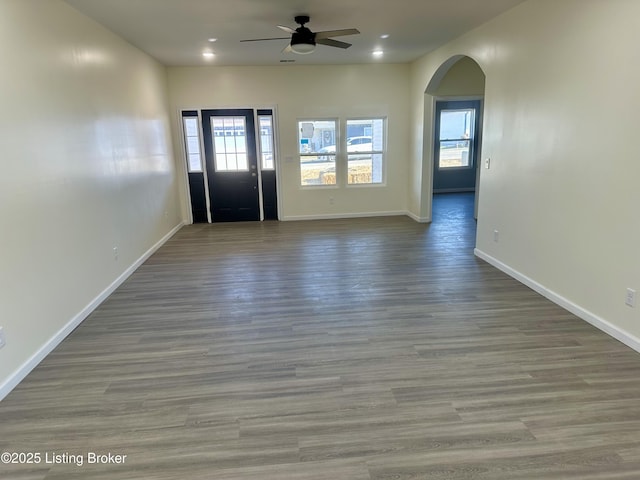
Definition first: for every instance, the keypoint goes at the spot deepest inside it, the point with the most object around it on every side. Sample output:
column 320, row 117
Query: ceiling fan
column 304, row 41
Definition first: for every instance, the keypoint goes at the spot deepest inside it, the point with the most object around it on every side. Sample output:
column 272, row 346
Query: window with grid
column 365, row 147
column 317, row 152
column 191, row 130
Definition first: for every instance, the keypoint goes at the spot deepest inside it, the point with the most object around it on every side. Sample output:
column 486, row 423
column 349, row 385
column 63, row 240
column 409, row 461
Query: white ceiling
column 176, row 32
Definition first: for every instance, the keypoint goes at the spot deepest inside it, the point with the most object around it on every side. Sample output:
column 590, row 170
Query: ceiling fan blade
column 336, row 33
column 286, row 29
column 287, row 49
column 333, row 43
column 264, row 39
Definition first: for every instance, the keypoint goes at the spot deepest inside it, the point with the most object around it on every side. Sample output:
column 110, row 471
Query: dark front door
column 231, row 162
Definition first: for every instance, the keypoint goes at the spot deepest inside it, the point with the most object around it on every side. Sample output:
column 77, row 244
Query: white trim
column 342, row 215
column 17, row 376
column 417, row 218
column 607, row 327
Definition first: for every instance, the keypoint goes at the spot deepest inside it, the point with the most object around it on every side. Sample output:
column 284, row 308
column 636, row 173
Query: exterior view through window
column 192, row 143
column 317, row 150
column 230, row 140
column 321, row 151
column 365, row 151
column 456, row 135
column 267, row 152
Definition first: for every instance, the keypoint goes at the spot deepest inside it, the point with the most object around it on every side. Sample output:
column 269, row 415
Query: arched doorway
column 455, row 96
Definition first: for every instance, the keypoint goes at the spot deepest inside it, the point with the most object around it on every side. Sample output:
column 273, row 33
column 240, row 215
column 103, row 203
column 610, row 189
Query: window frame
column 372, row 152
column 192, row 115
column 272, row 139
column 334, row 155
column 471, row 140
column 227, row 134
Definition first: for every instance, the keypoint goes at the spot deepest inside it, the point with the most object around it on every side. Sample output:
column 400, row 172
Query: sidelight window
column 191, row 131
column 267, row 150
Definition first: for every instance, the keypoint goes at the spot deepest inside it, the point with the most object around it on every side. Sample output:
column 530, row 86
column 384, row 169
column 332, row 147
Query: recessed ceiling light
column 386, row 35
column 208, row 55
column 377, row 53
column 213, row 39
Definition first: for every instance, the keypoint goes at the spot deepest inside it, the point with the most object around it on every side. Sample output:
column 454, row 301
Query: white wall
column 311, row 92
column 463, row 79
column 561, row 120
column 86, row 166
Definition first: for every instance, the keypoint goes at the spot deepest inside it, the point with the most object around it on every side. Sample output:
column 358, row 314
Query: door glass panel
column 267, row 152
column 230, row 144
column 192, row 143
column 456, row 134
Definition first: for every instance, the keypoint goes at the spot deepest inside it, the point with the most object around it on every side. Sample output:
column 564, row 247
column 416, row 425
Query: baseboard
column 607, row 327
column 14, row 379
column 417, row 218
column 292, row 218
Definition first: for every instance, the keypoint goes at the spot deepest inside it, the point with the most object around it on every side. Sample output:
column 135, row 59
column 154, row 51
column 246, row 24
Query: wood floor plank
column 360, row 349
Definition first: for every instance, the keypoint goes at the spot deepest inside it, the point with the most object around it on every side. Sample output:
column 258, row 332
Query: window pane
column 195, row 163
column 221, row 162
column 230, row 143
column 454, row 154
column 317, row 136
column 241, row 144
column 366, row 135
column 191, row 126
column 241, row 159
column 219, row 145
column 192, row 144
column 456, row 124
column 318, row 170
column 365, row 150
column 317, row 148
column 365, row 169
column 266, row 142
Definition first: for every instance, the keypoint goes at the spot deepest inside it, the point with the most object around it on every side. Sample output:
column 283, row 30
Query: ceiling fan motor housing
column 303, row 36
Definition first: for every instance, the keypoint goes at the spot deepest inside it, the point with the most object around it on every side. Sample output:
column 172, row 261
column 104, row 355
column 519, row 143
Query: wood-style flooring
column 358, row 349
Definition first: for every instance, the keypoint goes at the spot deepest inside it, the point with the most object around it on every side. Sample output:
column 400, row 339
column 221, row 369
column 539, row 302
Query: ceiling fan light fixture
column 303, row 41
column 303, row 48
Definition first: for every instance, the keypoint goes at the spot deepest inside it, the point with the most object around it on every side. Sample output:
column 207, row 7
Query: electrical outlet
column 115, row 253
column 3, row 340
column 487, row 163
column 496, row 236
column 631, row 297
column 331, row 201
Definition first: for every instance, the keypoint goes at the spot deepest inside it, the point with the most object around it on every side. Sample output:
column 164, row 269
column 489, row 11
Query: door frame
column 186, row 194
column 462, row 98
column 441, row 105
